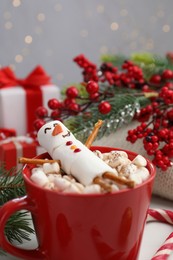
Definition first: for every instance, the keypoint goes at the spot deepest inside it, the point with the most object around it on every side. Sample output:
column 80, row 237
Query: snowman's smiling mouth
column 68, row 134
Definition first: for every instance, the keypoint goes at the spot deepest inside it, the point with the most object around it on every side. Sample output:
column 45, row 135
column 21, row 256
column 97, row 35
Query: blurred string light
column 114, row 26
column 58, row 7
column 133, row 39
column 16, row 3
column 166, row 28
column 41, row 17
column 149, row 44
column 103, row 49
column 100, row 9
column 18, row 58
column 8, row 25
column 28, row 39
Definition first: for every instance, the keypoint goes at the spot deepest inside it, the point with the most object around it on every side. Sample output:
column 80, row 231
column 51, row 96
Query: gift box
column 5, row 133
column 19, row 98
column 11, row 149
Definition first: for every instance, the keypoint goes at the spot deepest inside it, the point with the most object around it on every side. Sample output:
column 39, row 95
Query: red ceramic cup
column 82, row 227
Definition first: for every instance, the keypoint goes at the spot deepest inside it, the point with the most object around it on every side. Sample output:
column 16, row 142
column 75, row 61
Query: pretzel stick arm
column 119, row 180
column 36, row 161
column 99, row 180
column 93, row 134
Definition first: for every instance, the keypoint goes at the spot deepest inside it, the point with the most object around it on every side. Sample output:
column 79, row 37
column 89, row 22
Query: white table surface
column 154, row 234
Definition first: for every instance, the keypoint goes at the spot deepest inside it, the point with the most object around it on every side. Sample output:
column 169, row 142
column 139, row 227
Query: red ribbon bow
column 6, row 132
column 32, row 85
column 35, row 79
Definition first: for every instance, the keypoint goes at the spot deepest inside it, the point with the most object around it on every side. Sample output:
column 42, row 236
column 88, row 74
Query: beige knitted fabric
column 163, row 185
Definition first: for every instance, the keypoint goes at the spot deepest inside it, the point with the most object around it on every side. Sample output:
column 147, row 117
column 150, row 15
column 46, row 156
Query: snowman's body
column 76, row 159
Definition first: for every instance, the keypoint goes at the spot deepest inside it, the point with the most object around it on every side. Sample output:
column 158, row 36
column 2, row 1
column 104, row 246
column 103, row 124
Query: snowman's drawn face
column 54, row 134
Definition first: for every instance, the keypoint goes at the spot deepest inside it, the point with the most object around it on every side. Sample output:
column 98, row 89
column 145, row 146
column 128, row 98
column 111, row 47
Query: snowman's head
column 54, row 134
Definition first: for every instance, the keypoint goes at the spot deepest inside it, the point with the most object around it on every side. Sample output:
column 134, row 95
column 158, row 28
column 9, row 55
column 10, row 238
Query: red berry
column 104, row 107
column 69, row 101
column 94, row 96
column 155, row 79
column 92, row 87
column 72, row 92
column 167, row 74
column 54, row 103
column 38, row 123
column 41, row 112
column 56, row 114
column 170, row 115
column 74, row 107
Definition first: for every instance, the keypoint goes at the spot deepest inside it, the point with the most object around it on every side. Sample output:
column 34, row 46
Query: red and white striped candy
column 165, row 216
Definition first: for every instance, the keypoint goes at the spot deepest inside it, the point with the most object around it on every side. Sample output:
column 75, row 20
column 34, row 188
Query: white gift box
column 19, row 98
column 13, row 108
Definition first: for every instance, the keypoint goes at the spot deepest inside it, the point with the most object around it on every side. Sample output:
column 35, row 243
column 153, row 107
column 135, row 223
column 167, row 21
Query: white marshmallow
column 114, row 188
column 121, row 153
column 136, row 178
column 79, row 186
column 36, row 169
column 115, row 162
column 40, row 178
column 143, row 172
column 76, row 159
column 72, row 189
column 98, row 154
column 69, row 178
column 61, row 184
column 52, row 176
column 139, row 160
column 127, row 169
column 49, row 186
column 93, row 188
column 51, row 167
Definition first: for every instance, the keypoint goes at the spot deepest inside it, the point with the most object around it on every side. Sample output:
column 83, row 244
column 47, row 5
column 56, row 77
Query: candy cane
column 165, row 216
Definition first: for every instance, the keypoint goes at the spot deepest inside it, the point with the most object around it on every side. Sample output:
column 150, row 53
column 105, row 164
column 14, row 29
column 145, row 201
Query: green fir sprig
column 18, row 226
column 150, row 63
column 124, row 103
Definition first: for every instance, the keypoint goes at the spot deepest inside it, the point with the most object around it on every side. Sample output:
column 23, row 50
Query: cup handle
column 165, row 216
column 6, row 211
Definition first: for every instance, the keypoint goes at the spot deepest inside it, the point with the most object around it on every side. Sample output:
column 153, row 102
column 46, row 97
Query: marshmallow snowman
column 76, row 159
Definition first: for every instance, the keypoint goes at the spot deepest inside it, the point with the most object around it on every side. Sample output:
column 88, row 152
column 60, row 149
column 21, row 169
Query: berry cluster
column 99, row 84
column 72, row 104
column 156, row 129
column 130, row 76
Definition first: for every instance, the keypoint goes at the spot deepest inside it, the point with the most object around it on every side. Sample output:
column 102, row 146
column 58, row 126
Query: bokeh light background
column 52, row 33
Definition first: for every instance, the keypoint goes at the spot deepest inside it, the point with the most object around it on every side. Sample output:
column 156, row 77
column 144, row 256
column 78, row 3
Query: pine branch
column 150, row 63
column 11, row 185
column 18, row 226
column 124, row 104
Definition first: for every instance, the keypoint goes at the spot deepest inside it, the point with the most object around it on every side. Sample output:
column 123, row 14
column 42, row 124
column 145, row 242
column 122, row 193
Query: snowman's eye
column 68, row 134
column 54, row 124
column 47, row 128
